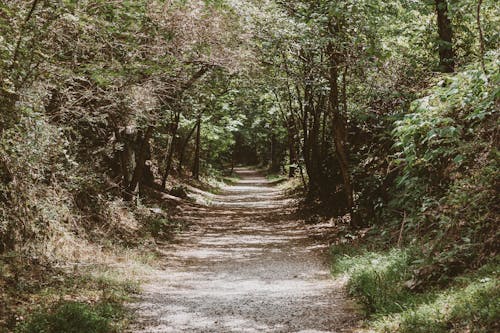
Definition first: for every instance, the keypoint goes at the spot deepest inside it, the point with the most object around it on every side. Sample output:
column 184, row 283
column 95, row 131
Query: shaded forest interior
column 381, row 116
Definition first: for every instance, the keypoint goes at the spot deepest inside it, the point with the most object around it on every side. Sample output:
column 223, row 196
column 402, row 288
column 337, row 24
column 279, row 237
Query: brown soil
column 247, row 264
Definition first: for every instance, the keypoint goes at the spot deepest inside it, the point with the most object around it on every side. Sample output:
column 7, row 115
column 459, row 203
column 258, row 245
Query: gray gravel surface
column 246, row 264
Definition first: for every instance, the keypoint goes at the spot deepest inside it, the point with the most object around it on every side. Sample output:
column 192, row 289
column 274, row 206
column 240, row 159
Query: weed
column 162, row 227
column 74, row 317
column 471, row 308
column 179, row 191
column 379, row 281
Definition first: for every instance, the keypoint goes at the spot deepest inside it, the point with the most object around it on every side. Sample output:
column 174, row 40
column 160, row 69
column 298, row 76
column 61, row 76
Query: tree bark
column 142, row 154
column 340, row 133
column 196, row 163
column 33, row 6
column 171, row 149
column 292, row 148
column 184, row 146
column 446, row 56
column 315, row 144
column 171, row 100
column 481, row 36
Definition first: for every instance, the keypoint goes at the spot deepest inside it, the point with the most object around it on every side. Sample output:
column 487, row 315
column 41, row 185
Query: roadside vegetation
column 381, row 281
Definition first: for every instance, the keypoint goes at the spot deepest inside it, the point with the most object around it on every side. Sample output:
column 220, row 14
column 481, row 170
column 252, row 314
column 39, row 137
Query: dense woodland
column 383, row 114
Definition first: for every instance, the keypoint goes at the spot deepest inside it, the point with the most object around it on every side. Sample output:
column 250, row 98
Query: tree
column 445, row 42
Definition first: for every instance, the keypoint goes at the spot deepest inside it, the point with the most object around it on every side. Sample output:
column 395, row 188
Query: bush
column 474, row 307
column 381, row 280
column 74, row 317
column 158, row 226
column 378, row 279
column 35, row 170
column 448, row 168
column 179, row 191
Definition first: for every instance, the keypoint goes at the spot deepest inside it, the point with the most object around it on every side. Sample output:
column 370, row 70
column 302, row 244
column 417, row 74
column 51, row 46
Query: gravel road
column 246, row 264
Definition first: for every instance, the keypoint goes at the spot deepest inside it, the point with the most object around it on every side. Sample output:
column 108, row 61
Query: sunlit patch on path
column 246, row 265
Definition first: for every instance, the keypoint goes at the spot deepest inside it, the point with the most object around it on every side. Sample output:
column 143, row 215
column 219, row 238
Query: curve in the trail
column 246, row 265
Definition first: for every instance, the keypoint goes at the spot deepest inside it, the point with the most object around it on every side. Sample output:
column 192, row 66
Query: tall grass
column 380, row 282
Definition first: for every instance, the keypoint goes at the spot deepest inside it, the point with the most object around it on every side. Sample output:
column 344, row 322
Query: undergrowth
column 431, row 264
column 75, row 317
column 381, row 282
column 37, row 297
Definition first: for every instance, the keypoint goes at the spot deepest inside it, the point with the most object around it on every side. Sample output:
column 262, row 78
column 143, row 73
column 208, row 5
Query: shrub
column 35, row 169
column 74, row 317
column 158, row 226
column 472, row 308
column 179, row 191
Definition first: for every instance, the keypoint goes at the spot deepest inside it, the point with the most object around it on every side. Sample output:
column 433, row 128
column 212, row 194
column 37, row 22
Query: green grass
column 474, row 307
column 378, row 281
column 276, row 177
column 231, row 180
column 75, row 317
column 86, row 299
column 163, row 227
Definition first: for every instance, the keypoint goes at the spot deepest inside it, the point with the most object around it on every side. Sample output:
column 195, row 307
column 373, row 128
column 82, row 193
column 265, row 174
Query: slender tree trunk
column 344, row 100
column 301, row 171
column 142, row 154
column 123, row 158
column 275, row 163
column 171, row 149
column 315, row 144
column 196, row 163
column 339, row 133
column 324, row 144
column 446, row 56
column 232, row 163
column 184, row 146
column 481, row 37
column 170, row 154
column 33, row 6
column 291, row 148
column 310, row 140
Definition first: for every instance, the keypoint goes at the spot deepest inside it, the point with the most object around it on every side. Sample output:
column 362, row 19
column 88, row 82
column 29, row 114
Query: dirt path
column 246, row 265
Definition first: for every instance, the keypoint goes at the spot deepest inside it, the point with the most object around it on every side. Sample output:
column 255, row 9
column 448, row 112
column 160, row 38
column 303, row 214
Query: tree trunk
column 171, row 100
column 311, row 125
column 292, row 148
column 196, row 163
column 316, row 159
column 28, row 17
column 340, row 134
column 184, row 146
column 127, row 155
column 275, row 165
column 171, row 149
column 142, row 154
column 446, row 57
column 481, row 36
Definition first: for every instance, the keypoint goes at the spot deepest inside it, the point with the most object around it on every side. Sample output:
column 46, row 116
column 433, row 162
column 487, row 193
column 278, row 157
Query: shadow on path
column 246, row 265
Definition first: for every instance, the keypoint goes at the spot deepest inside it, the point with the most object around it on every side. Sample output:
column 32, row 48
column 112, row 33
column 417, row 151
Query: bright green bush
column 445, row 131
column 449, row 167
